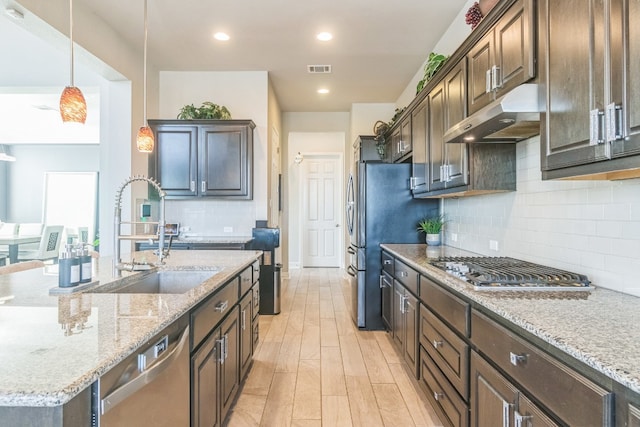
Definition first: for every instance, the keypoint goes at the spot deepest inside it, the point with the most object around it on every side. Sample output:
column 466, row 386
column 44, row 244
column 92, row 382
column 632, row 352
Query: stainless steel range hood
column 513, row 117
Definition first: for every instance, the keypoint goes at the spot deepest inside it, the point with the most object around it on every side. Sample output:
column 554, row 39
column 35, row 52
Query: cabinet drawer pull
column 203, row 186
column 437, row 396
column 437, row 344
column 244, row 320
column 221, row 306
column 192, row 186
column 517, row 359
column 403, row 274
column 387, row 262
column 495, row 78
column 487, row 83
column 506, row 409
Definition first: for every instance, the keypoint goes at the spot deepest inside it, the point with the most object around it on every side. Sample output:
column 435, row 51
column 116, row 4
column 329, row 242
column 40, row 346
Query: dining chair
column 49, row 245
column 21, row 266
column 30, row 229
column 7, row 229
column 83, row 235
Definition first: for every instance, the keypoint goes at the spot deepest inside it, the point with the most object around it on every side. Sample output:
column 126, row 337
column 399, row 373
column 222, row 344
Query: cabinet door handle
column 226, row 346
column 401, row 304
column 221, row 306
column 437, row 395
column 203, row 186
column 487, row 87
column 220, row 345
column 192, row 186
column 613, row 122
column 381, row 282
column 403, row 274
column 437, row 344
column 595, row 127
column 506, row 408
column 517, row 359
column 520, row 419
column 244, row 320
column 495, row 78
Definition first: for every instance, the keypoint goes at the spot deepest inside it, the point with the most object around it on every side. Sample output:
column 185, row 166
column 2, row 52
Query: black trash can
column 267, row 240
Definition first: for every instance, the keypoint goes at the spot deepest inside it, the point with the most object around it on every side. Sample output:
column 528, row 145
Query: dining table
column 13, row 242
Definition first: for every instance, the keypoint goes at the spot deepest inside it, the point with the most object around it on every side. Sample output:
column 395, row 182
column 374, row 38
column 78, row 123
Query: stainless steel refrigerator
column 380, row 209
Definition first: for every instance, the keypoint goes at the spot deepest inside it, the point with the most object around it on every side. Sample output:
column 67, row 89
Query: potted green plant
column 208, row 110
column 432, row 227
column 434, row 63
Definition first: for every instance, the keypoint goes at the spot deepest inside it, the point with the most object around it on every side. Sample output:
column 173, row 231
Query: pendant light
column 144, row 141
column 73, row 107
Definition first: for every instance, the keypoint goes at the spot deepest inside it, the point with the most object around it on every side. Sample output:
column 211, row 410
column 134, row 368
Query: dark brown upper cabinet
column 589, row 51
column 504, row 58
column 203, row 158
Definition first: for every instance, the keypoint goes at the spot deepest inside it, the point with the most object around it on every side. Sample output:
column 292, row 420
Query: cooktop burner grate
column 510, row 273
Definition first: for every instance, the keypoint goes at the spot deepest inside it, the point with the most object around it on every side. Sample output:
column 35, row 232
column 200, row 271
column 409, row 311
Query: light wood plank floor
column 313, row 367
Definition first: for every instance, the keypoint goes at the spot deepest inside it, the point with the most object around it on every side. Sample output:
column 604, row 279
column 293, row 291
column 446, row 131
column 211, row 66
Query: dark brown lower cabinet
column 497, row 402
column 246, row 333
column 215, row 374
column 405, row 325
column 386, row 285
column 451, row 409
column 204, row 383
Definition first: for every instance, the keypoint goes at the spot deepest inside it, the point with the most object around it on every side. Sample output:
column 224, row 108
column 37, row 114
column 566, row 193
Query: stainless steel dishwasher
column 151, row 386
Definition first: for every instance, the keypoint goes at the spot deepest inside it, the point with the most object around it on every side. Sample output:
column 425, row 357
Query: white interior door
column 322, row 221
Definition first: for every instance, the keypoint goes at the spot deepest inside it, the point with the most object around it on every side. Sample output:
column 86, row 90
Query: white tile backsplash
column 210, row 217
column 590, row 227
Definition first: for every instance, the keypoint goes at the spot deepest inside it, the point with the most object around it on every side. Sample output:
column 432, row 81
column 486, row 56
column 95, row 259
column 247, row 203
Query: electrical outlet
column 493, row 245
column 228, row 229
column 454, row 237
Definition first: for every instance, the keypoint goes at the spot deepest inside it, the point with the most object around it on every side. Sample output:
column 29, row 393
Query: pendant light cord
column 71, row 37
column 144, row 108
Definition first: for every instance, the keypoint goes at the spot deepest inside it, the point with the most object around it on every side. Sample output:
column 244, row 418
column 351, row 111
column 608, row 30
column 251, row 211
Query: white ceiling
column 378, row 45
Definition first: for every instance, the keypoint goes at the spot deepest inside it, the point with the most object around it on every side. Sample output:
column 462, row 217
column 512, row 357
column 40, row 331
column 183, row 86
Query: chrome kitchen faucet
column 118, row 265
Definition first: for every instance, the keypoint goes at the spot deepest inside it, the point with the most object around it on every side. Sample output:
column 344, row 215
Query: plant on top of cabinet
column 434, row 63
column 208, row 110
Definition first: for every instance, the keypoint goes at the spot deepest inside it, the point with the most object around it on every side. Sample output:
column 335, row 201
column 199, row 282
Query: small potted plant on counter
column 432, row 227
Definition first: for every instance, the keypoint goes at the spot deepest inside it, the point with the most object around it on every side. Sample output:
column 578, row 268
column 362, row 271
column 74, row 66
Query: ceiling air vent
column 319, row 69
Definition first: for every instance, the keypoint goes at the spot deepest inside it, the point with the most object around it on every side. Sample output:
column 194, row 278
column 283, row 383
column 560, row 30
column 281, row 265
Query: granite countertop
column 598, row 328
column 54, row 346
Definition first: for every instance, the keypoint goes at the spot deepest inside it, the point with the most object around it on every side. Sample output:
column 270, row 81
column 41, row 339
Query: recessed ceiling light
column 324, row 36
column 221, row 36
column 323, row 91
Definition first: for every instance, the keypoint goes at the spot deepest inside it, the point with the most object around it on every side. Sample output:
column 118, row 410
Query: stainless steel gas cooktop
column 503, row 273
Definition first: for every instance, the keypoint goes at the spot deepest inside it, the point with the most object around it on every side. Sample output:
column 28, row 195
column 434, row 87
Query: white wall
column 365, row 116
column 589, row 227
column 245, row 94
column 306, row 143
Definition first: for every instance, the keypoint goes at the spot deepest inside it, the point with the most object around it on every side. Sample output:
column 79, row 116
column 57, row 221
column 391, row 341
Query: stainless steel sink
column 157, row 282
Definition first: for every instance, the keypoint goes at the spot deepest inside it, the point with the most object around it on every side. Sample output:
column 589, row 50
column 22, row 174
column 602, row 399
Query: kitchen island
column 54, row 347
column 593, row 335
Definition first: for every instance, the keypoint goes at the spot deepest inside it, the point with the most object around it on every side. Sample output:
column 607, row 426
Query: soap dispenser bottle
column 68, row 268
column 84, row 260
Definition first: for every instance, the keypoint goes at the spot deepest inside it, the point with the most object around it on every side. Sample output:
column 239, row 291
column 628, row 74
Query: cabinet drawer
column 246, row 280
column 407, row 276
column 447, row 350
column 572, row 397
column 208, row 315
column 450, row 308
column 387, row 263
column 451, row 409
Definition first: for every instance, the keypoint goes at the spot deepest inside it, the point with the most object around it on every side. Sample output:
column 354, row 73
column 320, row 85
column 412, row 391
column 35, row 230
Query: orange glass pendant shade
column 145, row 141
column 73, row 107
